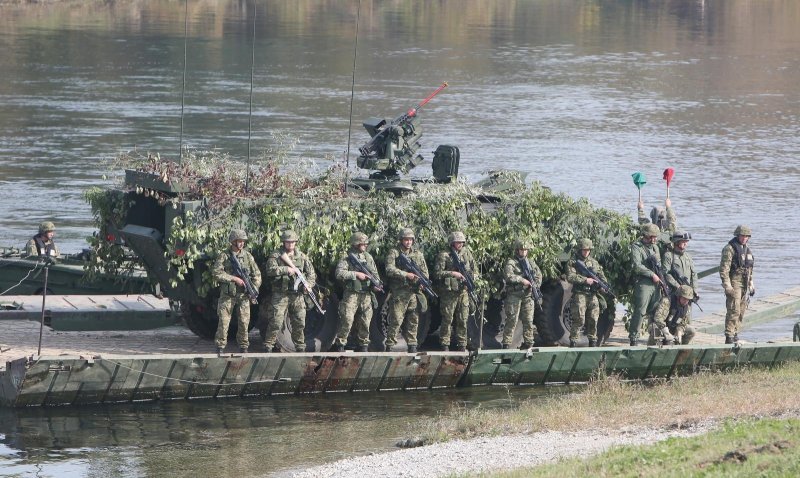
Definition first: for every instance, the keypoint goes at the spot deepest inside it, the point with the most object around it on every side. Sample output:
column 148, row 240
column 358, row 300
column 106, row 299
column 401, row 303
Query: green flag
column 639, row 180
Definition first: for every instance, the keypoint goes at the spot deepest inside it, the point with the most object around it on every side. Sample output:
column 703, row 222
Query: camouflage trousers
column 682, row 332
column 277, row 309
column 403, row 307
column 519, row 306
column 454, row 307
column 736, row 305
column 227, row 305
column 355, row 310
column 646, row 297
column 584, row 308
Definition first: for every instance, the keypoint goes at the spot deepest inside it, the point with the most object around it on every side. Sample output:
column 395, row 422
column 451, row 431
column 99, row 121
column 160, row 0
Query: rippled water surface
column 578, row 94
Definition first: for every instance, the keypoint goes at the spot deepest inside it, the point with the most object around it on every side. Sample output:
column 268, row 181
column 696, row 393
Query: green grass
column 739, row 448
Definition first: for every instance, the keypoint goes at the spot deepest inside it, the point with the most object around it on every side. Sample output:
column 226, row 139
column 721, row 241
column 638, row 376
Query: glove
column 728, row 290
column 752, row 291
column 667, row 336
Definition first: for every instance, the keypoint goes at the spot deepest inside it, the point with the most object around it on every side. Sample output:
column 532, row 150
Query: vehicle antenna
column 250, row 115
column 352, row 94
column 183, row 87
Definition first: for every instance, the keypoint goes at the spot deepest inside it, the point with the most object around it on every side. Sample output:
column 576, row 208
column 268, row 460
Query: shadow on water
column 231, row 438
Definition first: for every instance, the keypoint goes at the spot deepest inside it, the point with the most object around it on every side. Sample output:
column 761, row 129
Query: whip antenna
column 250, row 115
column 352, row 94
column 183, row 87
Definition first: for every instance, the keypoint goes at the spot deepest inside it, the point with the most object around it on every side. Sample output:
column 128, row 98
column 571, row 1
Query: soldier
column 288, row 294
column 454, row 300
column 42, row 244
column 233, row 292
column 679, row 270
column 736, row 272
column 519, row 301
column 358, row 301
column 663, row 217
column 647, row 289
column 585, row 301
column 407, row 298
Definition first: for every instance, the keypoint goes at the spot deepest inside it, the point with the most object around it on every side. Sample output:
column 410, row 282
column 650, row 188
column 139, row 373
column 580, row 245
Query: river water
column 579, row 94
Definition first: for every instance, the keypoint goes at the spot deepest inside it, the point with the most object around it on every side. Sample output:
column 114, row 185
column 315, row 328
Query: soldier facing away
column 234, row 297
column 647, row 289
column 288, row 294
column 355, row 309
column 407, row 299
column 42, row 244
column 519, row 302
column 454, row 300
column 736, row 272
column 585, row 300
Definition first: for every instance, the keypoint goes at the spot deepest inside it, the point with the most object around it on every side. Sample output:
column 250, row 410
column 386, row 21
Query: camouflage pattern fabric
column 584, row 303
column 453, row 300
column 646, row 293
column 233, row 298
column 284, row 300
column 681, row 331
column 404, row 305
column 736, row 291
column 355, row 309
column 683, row 263
column 518, row 304
column 32, row 249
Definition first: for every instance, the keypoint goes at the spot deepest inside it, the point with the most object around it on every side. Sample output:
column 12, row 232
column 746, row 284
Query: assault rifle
column 301, row 279
column 747, row 276
column 406, row 263
column 583, row 269
column 680, row 313
column 528, row 274
column 683, row 280
column 651, row 264
column 241, row 273
column 468, row 281
column 362, row 267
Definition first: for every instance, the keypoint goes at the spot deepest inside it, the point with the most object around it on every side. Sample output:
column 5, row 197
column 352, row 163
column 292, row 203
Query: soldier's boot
column 242, row 350
column 300, row 349
column 276, row 349
column 735, row 338
column 592, row 343
column 573, row 343
column 337, row 347
column 668, row 337
column 525, row 346
column 634, row 342
column 677, row 339
column 220, row 351
column 728, row 339
column 445, row 348
column 388, row 347
column 505, row 346
column 412, row 349
column 362, row 348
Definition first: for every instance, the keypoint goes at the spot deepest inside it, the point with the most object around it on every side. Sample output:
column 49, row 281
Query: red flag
column 668, row 173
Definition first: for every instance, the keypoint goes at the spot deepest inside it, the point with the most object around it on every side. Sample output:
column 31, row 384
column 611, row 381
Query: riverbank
column 582, row 424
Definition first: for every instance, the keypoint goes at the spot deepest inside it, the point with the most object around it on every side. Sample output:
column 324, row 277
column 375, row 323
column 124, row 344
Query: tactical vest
column 229, row 287
column 284, row 282
column 742, row 257
column 592, row 265
column 44, row 249
column 450, row 283
column 518, row 286
column 356, row 285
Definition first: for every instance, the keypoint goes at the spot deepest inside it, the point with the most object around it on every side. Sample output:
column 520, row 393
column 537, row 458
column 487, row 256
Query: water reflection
column 226, row 438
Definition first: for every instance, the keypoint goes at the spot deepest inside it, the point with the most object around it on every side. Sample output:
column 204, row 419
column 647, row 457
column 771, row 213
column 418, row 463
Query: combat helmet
column 406, row 233
column 237, row 235
column 584, row 243
column 46, row 226
column 358, row 238
column 289, row 236
column 686, row 292
column 456, row 236
column 650, row 230
column 523, row 244
column 743, row 230
column 679, row 236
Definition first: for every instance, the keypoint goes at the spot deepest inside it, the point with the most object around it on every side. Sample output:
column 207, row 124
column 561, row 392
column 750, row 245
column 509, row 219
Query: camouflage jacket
column 396, row 277
column 445, row 265
column 683, row 265
column 223, row 272
column 736, row 261
column 512, row 274
column 278, row 272
column 577, row 279
column 640, row 252
column 346, row 272
column 665, row 237
column 37, row 246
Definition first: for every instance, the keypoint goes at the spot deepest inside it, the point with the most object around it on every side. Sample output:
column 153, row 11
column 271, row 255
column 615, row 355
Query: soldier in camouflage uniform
column 664, row 218
column 736, row 272
column 519, row 303
column 647, row 289
column 679, row 270
column 233, row 294
column 358, row 301
column 42, row 244
column 585, row 301
column 407, row 299
column 285, row 298
column 454, row 299
column 674, row 318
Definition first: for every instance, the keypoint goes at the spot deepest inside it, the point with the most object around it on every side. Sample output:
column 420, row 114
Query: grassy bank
column 742, row 448
column 613, row 404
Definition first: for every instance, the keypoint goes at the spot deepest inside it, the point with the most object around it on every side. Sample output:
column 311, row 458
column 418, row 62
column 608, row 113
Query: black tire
column 200, row 318
column 605, row 324
column 553, row 321
column 40, row 290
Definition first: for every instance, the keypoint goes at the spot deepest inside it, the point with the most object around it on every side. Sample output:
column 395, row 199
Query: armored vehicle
column 176, row 222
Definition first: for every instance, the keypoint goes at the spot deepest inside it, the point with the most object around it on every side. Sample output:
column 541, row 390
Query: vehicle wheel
column 41, row 289
column 553, row 321
column 320, row 330
column 200, row 318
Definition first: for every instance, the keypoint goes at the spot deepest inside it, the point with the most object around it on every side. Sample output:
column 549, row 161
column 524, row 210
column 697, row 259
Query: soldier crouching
column 671, row 319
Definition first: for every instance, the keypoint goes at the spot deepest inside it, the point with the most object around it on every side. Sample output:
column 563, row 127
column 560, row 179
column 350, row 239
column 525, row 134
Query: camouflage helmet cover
column 456, row 236
column 523, row 244
column 46, row 226
column 650, row 230
column 585, row 243
column 406, row 233
column 358, row 238
column 679, row 236
column 289, row 236
column 686, row 292
column 743, row 230
column 237, row 235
